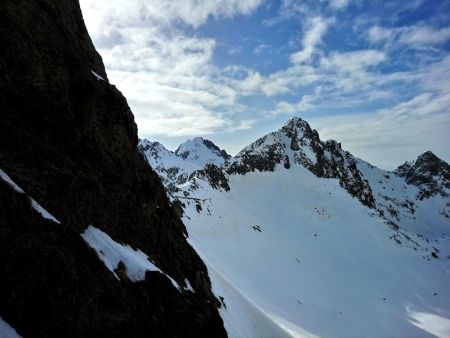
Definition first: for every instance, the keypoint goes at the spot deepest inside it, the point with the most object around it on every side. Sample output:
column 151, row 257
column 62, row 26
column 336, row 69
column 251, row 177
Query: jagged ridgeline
column 69, row 140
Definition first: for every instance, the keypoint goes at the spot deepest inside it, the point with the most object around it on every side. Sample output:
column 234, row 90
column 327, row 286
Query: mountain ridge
column 323, row 158
column 329, row 237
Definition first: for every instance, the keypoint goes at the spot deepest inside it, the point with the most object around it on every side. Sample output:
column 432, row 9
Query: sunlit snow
column 322, row 263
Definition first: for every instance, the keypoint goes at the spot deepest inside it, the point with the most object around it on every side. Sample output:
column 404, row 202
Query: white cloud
column 418, row 35
column 425, row 35
column 252, row 82
column 351, row 69
column 287, row 10
column 166, row 74
column 315, row 29
column 377, row 34
column 275, row 85
column 243, row 125
column 336, row 75
column 353, row 62
column 161, row 12
column 286, row 108
column 409, row 128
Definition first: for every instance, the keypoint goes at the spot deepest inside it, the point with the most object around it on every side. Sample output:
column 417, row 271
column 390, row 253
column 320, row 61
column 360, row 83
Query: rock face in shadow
column 68, row 138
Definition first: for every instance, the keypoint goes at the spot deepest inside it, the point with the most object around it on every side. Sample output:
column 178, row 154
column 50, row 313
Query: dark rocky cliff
column 70, row 141
column 429, row 173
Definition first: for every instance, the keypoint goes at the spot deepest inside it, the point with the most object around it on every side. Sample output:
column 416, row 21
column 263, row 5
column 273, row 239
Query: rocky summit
column 70, row 167
column 429, row 173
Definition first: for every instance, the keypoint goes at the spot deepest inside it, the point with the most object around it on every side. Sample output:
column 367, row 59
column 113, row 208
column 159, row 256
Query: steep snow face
column 242, row 318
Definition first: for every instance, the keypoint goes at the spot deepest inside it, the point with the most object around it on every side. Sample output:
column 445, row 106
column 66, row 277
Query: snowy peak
column 429, row 173
column 295, row 141
column 172, row 169
column 297, row 144
column 156, row 153
column 299, row 127
column 202, row 151
column 175, row 168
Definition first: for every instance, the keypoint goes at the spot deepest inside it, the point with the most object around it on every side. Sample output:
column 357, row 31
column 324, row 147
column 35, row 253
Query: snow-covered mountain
column 301, row 238
column 201, row 151
column 175, row 168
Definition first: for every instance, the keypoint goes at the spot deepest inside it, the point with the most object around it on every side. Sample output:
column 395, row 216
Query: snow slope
column 321, row 262
column 308, row 240
column 242, row 318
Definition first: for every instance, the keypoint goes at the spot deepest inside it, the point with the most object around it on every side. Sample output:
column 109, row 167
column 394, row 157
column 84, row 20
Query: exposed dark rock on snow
column 68, row 138
column 250, row 160
column 214, row 175
column 323, row 159
column 175, row 168
column 53, row 285
column 429, row 173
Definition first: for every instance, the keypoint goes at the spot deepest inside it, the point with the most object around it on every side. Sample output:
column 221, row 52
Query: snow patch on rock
column 6, row 331
column 36, row 206
column 112, row 253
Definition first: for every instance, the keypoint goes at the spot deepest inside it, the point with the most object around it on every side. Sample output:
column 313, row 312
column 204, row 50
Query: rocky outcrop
column 429, row 173
column 68, row 138
column 296, row 139
column 214, row 176
column 262, row 155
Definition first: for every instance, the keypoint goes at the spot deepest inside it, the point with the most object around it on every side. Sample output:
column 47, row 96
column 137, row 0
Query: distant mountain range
column 315, row 241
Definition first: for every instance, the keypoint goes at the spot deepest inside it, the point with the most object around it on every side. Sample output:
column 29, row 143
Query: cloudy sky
column 374, row 75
